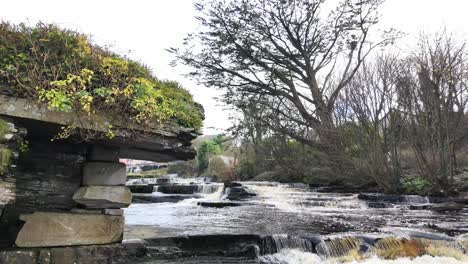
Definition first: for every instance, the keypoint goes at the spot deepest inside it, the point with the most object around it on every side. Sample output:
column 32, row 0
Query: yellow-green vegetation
column 5, row 159
column 3, row 128
column 64, row 70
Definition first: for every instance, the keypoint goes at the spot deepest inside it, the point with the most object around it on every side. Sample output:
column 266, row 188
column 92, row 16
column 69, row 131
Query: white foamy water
column 287, row 198
column 295, row 256
column 286, row 209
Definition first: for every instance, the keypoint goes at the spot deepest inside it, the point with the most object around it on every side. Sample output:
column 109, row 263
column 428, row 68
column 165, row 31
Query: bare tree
column 375, row 120
column 292, row 50
column 433, row 91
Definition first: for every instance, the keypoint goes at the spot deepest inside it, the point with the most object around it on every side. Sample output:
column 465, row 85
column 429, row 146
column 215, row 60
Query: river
column 292, row 211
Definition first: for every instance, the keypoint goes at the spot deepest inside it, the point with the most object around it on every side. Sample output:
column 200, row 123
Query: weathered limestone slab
column 103, row 196
column 64, row 229
column 104, row 173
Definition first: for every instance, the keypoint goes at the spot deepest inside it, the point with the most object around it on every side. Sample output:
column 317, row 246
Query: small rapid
column 301, row 225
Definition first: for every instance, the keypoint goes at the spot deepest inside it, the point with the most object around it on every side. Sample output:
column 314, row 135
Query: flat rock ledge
column 44, row 229
column 102, row 197
column 126, row 252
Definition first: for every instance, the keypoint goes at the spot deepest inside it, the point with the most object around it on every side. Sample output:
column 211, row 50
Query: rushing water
column 298, row 212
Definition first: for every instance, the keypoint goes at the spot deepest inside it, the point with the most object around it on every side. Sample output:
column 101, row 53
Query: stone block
column 102, row 197
column 113, row 211
column 104, row 173
column 65, row 229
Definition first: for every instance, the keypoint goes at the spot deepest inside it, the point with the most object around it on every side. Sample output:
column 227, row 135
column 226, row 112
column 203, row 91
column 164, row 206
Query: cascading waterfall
column 285, row 241
column 396, row 250
column 208, row 188
column 338, row 246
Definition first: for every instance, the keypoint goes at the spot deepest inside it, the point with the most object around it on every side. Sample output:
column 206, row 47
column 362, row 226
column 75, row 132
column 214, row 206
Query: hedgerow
column 62, row 69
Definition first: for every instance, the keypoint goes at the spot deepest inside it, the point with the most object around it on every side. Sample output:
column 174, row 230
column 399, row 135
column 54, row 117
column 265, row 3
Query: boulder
column 237, row 193
column 103, row 197
column 65, row 229
column 104, row 173
column 447, row 207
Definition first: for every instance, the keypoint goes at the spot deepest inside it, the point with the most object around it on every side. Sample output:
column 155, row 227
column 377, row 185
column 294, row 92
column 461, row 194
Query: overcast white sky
column 145, row 28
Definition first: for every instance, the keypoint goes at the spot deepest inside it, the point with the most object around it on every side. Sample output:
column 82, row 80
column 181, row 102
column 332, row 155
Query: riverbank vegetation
column 65, row 71
column 324, row 100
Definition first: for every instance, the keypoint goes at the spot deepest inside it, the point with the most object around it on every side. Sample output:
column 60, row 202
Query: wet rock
column 420, row 206
column 232, row 184
column 378, row 197
column 237, row 193
column 148, row 198
column 65, row 229
column 104, row 173
column 379, row 205
column 462, row 198
column 163, row 181
column 447, row 207
column 103, row 197
column 178, row 189
column 298, row 185
column 218, row 204
column 141, row 188
column 200, row 244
